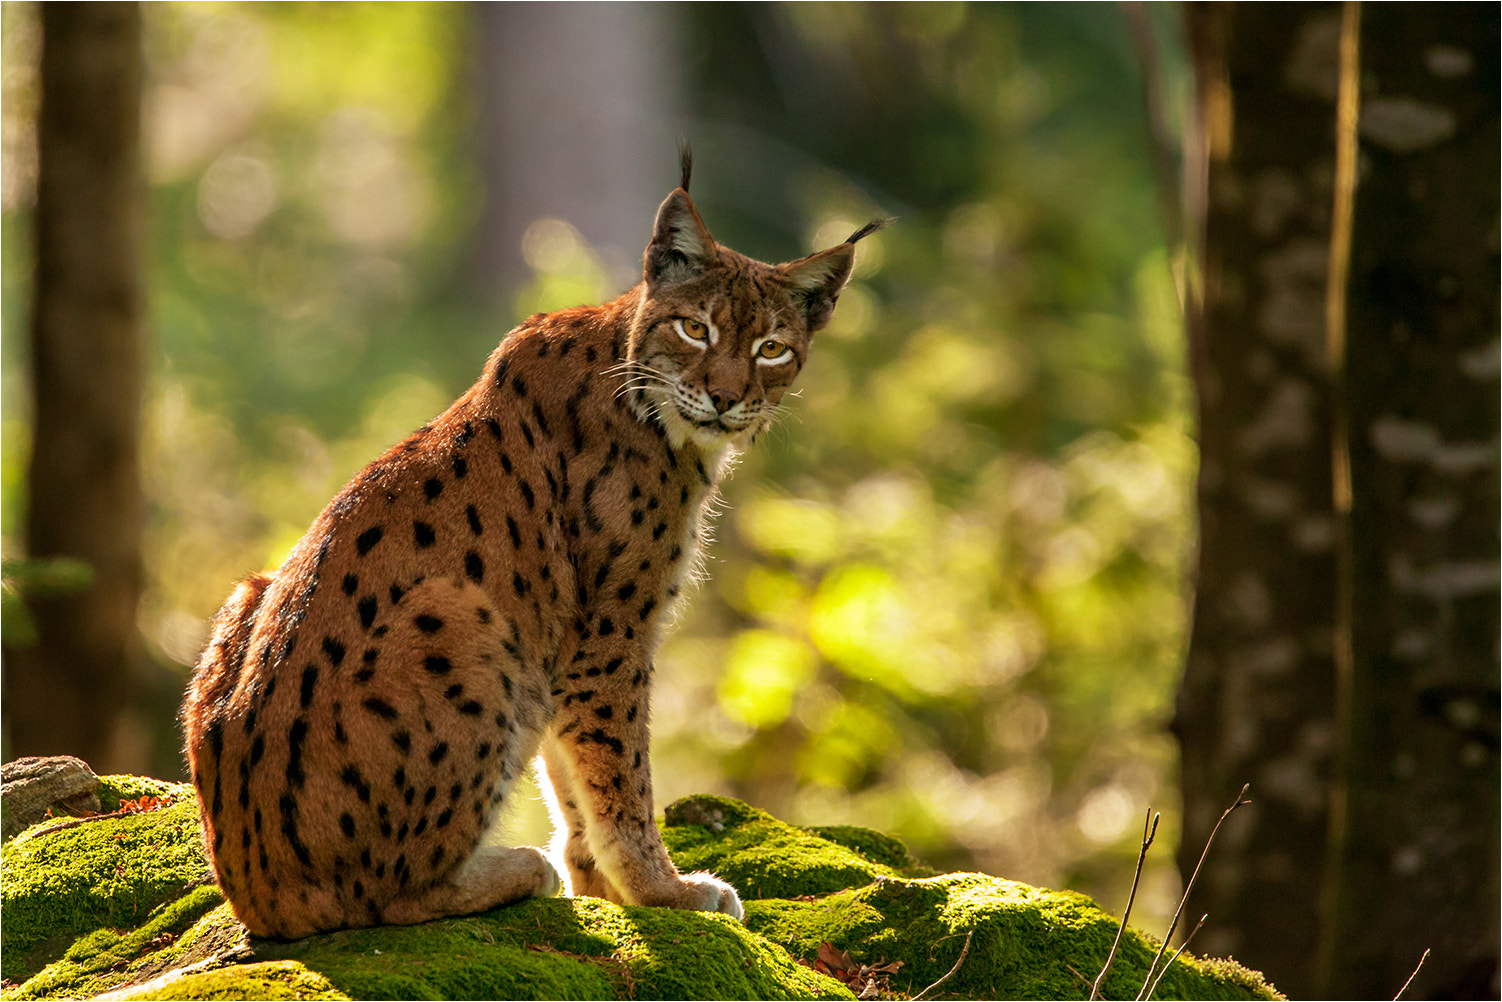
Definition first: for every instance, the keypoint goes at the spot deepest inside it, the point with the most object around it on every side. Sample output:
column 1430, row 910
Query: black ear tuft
column 685, row 162
column 870, row 228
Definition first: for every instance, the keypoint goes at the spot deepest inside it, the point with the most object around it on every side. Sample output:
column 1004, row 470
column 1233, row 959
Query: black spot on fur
column 438, row 665
column 428, row 624
column 423, row 535
column 368, row 539
column 474, row 520
column 334, row 649
column 380, row 708
column 289, row 830
column 351, row 584
column 367, row 609
column 432, row 487
column 296, row 735
column 599, row 737
column 309, row 681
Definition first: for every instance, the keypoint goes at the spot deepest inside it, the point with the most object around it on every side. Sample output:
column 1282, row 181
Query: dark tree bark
column 1417, row 856
column 1344, row 658
column 1257, row 703
column 67, row 693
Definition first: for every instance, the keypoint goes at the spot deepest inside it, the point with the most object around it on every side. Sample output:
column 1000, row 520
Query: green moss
column 875, row 846
column 100, row 874
column 284, row 979
column 114, row 790
column 1023, row 940
column 120, row 901
column 761, row 856
column 105, row 958
column 559, row 949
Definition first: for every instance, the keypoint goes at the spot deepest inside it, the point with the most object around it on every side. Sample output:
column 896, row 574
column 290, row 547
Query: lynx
column 491, row 590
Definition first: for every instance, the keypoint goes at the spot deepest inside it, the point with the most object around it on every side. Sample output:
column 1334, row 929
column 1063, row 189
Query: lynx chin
column 491, row 590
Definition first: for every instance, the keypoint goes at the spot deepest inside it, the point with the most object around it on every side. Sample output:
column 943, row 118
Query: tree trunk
column 1257, row 702
column 1344, row 658
column 67, row 693
column 1417, row 858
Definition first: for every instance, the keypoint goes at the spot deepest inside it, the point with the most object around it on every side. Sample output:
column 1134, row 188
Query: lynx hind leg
column 479, row 711
column 569, row 846
column 378, row 814
column 492, row 876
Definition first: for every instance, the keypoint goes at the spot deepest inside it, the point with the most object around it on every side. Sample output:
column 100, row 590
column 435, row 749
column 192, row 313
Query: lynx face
column 720, row 337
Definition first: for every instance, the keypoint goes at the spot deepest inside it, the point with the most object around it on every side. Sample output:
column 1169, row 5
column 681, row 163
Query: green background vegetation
column 948, row 595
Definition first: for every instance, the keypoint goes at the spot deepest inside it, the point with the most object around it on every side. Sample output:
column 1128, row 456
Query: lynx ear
column 815, row 281
column 681, row 246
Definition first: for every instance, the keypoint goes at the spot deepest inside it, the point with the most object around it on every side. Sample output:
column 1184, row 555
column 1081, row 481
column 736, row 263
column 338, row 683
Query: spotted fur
column 492, row 590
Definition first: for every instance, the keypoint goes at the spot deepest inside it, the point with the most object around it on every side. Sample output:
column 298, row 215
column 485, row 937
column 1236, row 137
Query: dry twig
column 1412, row 976
column 1182, row 947
column 1152, row 968
column 1149, row 832
column 963, row 951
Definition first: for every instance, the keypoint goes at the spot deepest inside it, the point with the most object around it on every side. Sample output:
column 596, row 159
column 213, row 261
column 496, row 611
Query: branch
column 1412, row 976
column 963, row 951
column 1182, row 947
column 1240, row 800
column 1149, row 831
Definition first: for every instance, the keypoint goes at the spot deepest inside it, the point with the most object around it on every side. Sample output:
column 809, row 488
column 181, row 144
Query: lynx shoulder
column 490, row 591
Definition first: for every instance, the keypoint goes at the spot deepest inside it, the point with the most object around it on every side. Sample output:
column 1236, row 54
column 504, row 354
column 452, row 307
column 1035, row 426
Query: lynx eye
column 772, row 349
column 694, row 330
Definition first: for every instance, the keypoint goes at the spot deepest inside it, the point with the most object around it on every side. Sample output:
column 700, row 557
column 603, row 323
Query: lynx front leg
column 598, row 751
column 569, row 842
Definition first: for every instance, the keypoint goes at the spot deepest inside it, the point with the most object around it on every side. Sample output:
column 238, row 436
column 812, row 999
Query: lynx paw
column 551, row 884
column 715, row 895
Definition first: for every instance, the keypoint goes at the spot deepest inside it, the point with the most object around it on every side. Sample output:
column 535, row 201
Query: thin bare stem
column 1149, row 831
column 963, row 951
column 1182, row 947
column 1240, row 800
column 1411, row 976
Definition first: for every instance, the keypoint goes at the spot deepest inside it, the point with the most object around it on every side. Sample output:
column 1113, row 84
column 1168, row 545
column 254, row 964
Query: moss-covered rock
column 123, row 905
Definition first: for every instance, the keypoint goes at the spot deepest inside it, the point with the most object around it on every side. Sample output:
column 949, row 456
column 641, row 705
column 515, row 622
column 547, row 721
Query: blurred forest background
column 952, row 595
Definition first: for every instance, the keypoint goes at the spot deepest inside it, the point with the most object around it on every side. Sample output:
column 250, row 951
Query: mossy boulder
column 124, row 905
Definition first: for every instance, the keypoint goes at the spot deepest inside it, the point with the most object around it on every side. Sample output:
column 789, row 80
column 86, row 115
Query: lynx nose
column 723, row 400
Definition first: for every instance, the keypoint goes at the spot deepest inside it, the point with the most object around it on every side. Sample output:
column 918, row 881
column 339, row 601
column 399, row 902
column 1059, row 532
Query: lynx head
column 719, row 337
